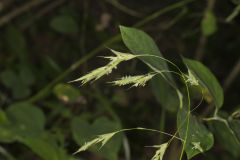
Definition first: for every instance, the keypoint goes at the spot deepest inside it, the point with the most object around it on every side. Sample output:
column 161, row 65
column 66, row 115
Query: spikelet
column 103, row 139
column 197, row 146
column 191, row 79
column 107, row 69
column 160, row 152
column 136, row 81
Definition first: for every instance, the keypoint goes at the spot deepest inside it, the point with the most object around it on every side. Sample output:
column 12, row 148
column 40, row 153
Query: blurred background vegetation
column 46, row 43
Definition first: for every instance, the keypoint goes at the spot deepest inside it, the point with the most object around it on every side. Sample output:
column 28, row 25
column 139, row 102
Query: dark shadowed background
column 46, row 43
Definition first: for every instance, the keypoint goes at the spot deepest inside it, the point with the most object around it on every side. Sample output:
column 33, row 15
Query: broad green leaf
column 83, row 132
column 209, row 23
column 226, row 136
column 66, row 92
column 140, row 43
column 26, row 117
column 207, row 80
column 199, row 139
column 25, row 124
column 164, row 94
column 23, row 120
column 64, row 24
column 45, row 147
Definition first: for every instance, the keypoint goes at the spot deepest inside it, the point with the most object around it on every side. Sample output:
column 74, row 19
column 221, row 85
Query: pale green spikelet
column 87, row 145
column 103, row 139
column 197, row 146
column 106, row 137
column 191, row 79
column 160, row 152
column 124, row 56
column 107, row 69
column 139, row 80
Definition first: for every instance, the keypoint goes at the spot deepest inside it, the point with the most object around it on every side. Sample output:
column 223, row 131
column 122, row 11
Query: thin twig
column 5, row 19
column 232, row 76
column 4, row 4
column 48, row 8
column 234, row 14
column 124, row 9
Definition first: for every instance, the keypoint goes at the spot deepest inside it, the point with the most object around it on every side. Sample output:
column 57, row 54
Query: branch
column 51, row 6
column 203, row 39
column 5, row 19
column 232, row 76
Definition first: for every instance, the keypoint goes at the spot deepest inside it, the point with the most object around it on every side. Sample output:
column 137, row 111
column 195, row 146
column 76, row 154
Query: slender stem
column 163, row 11
column 124, row 9
column 16, row 12
column 152, row 130
column 234, row 14
column 188, row 117
column 6, row 154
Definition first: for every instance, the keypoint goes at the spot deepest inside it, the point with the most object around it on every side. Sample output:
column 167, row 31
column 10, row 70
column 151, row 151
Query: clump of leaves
column 194, row 135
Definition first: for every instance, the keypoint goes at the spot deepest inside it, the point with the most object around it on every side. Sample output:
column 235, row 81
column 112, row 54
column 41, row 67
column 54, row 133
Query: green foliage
column 195, row 136
column 53, row 122
column 19, row 82
column 199, row 139
column 140, row 43
column 25, row 123
column 83, row 132
column 207, row 80
column 226, row 136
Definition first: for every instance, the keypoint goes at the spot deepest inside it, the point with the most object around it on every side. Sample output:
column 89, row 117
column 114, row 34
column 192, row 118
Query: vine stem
column 47, row 89
column 188, row 117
